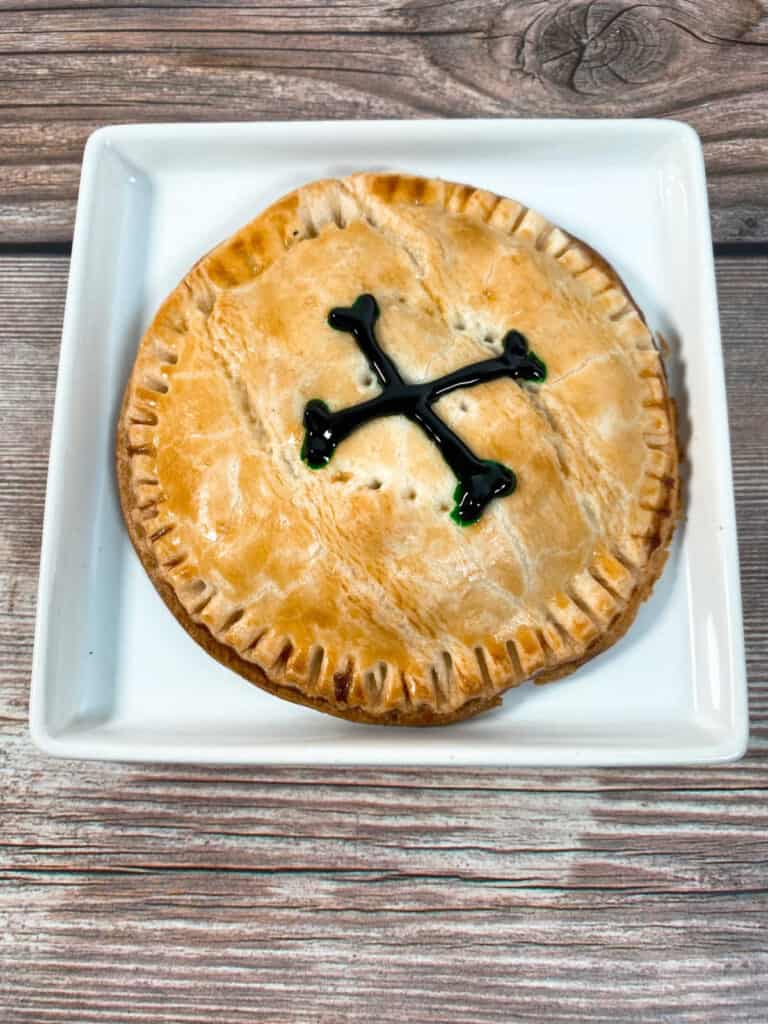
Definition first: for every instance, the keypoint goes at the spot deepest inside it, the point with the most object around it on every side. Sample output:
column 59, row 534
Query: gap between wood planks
column 722, row 250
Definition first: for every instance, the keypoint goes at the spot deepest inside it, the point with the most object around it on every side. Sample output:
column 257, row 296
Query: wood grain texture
column 67, row 68
column 151, row 894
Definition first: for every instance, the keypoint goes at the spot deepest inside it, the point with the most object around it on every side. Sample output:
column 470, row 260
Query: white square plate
column 115, row 676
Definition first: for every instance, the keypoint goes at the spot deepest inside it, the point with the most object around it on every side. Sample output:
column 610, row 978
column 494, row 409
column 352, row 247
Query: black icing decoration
column 479, row 480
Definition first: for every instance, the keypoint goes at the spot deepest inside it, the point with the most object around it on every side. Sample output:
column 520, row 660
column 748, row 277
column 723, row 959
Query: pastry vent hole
column 404, row 687
column 342, row 682
column 490, row 341
column 460, row 324
column 605, row 584
column 518, row 219
column 409, row 494
column 463, row 406
column 162, row 532
column 468, row 195
column 367, row 380
column 517, row 667
column 444, row 506
column 442, row 679
column 661, row 509
column 255, row 641
column 341, row 477
column 660, row 475
column 482, row 664
column 456, row 199
column 656, row 443
column 306, row 225
column 200, row 608
column 165, row 355
column 148, row 481
column 334, row 207
column 233, row 619
column 194, row 587
column 447, row 665
column 572, row 247
column 488, row 214
column 174, row 563
column 145, row 419
column 560, row 246
column 437, row 684
column 541, row 241
column 563, row 632
column 545, row 646
column 621, row 314
column 371, row 683
column 582, row 605
column 375, row 484
column 156, row 384
column 316, row 657
column 285, row 652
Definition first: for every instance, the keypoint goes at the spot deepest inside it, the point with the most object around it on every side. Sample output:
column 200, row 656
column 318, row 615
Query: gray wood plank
column 67, row 68
column 157, row 893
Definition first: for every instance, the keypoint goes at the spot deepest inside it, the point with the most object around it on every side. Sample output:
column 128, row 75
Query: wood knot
column 597, row 48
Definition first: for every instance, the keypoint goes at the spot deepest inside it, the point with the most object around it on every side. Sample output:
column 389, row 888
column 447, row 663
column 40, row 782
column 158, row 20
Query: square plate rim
column 725, row 744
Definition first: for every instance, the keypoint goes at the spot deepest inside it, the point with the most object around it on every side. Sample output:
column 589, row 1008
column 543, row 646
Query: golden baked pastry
column 397, row 446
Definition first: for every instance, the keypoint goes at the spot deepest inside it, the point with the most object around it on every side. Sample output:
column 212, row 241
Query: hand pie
column 397, row 446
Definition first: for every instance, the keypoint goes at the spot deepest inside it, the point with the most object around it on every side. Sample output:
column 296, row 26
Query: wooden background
column 142, row 893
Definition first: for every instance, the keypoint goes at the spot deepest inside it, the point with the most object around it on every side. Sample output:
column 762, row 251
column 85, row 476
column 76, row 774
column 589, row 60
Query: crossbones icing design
column 479, row 480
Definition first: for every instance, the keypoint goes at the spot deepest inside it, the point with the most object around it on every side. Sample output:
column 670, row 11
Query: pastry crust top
column 350, row 588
